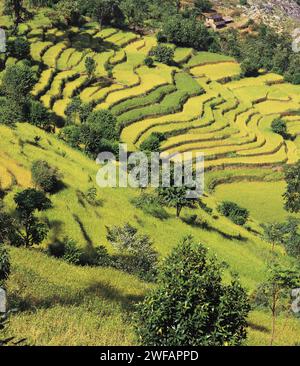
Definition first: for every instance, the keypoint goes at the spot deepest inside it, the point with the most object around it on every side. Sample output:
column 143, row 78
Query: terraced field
column 200, row 103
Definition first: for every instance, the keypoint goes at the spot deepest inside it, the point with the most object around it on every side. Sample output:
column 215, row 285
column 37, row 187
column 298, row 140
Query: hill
column 200, row 104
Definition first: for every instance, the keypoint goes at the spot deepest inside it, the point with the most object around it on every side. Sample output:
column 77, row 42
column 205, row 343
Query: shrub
column 4, row 264
column 152, row 143
column 191, row 305
column 71, row 135
column 149, row 61
column 163, row 54
column 102, row 257
column 44, row 176
column 136, row 254
column 9, row 112
column 235, row 213
column 279, row 126
column 90, row 66
column 72, row 254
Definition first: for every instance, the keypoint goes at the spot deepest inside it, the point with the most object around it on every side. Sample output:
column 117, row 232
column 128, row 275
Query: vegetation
column 80, row 77
column 202, row 312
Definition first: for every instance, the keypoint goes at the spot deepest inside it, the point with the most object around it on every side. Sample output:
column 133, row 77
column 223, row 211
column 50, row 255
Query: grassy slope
column 55, row 296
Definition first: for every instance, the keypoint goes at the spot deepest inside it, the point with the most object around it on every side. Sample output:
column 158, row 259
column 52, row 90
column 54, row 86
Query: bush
column 136, row 254
column 102, row 257
column 44, row 176
column 149, row 61
column 72, row 254
column 192, row 306
column 163, row 54
column 71, row 135
column 279, row 126
column 10, row 113
column 4, row 264
column 235, row 213
column 152, row 143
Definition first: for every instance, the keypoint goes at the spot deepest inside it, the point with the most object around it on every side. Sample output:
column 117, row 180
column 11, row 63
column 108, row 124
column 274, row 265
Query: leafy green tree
column 19, row 48
column 175, row 197
column 292, row 193
column 90, row 67
column 103, row 11
column 72, row 253
column 68, row 10
column 134, row 11
column 44, row 176
column 30, row 230
column 274, row 292
column 17, row 83
column 39, row 115
column 9, row 114
column 71, row 135
column 104, row 121
column 188, row 32
column 163, row 54
column 191, row 305
column 249, row 67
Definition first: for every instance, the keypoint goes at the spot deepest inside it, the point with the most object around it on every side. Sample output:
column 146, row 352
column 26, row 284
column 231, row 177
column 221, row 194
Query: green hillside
column 200, row 104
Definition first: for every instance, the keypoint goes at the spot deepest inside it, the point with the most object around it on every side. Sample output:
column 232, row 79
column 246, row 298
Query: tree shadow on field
column 94, row 293
column 258, row 327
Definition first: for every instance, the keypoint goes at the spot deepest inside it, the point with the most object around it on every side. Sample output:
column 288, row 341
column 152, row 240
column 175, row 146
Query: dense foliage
column 191, row 305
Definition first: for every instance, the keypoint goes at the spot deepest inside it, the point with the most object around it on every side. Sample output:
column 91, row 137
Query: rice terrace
column 91, row 255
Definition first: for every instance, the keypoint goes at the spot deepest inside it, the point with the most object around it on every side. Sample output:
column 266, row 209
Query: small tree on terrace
column 191, row 305
column 90, row 67
column 30, row 230
column 163, row 54
column 274, row 293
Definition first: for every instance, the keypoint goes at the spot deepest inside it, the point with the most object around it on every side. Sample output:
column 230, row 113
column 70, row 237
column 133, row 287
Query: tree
column 90, row 67
column 104, row 121
column 292, row 194
column 188, row 32
column 137, row 253
column 68, row 10
column 163, row 54
column 44, row 176
column 39, row 115
column 175, row 197
column 71, row 135
column 30, row 230
column 17, row 83
column 191, row 305
column 202, row 6
column 275, row 290
column 234, row 212
column 9, row 114
column 103, row 11
column 274, row 233
column 249, row 67
column 134, row 11
column 19, row 48
column 16, row 10
column 279, row 126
